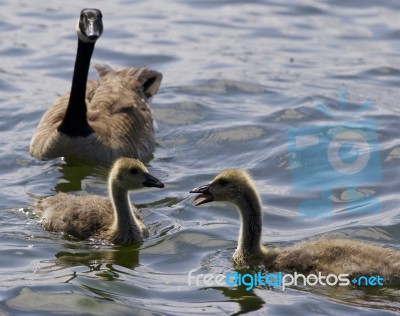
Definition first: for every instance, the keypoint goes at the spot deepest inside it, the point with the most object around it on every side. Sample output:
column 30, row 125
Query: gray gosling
column 338, row 256
column 100, row 120
column 112, row 218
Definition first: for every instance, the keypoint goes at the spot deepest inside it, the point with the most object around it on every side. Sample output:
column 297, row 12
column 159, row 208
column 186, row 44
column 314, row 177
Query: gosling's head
column 231, row 185
column 130, row 174
column 90, row 25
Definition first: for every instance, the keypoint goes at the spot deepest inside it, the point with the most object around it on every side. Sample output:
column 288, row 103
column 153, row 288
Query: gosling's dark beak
column 204, row 197
column 152, row 181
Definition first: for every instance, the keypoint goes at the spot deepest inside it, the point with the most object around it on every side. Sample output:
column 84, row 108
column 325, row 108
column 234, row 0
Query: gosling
column 113, row 219
column 338, row 256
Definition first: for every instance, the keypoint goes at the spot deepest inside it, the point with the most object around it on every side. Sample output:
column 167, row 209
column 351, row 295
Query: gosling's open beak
column 204, row 197
column 152, row 181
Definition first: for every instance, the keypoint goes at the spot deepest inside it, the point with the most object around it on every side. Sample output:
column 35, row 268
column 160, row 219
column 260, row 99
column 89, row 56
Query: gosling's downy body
column 113, row 219
column 327, row 256
column 100, row 120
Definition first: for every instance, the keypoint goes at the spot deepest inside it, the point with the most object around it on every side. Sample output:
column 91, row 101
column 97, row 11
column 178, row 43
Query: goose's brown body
column 117, row 112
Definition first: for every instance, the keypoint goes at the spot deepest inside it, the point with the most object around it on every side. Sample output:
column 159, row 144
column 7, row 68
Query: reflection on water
column 237, row 78
column 248, row 301
column 45, row 302
column 128, row 258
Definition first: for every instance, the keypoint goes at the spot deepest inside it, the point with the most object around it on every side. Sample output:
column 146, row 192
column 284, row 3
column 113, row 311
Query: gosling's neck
column 125, row 228
column 250, row 211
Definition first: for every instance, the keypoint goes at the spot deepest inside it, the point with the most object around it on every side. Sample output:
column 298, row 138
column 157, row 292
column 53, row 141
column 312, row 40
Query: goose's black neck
column 75, row 120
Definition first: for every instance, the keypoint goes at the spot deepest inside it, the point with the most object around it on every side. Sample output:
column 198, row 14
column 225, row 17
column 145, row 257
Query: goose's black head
column 90, row 25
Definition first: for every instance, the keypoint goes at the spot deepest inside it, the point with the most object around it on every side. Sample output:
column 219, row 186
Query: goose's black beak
column 94, row 30
column 91, row 24
column 204, row 197
column 152, row 181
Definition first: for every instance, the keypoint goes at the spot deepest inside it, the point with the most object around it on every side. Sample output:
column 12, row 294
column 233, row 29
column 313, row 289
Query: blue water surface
column 242, row 80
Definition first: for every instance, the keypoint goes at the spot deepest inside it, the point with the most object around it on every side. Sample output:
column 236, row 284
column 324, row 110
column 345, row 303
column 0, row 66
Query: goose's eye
column 223, row 182
column 133, row 171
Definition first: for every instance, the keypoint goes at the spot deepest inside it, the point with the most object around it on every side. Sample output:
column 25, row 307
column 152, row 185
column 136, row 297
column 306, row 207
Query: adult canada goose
column 100, row 120
column 326, row 255
column 113, row 219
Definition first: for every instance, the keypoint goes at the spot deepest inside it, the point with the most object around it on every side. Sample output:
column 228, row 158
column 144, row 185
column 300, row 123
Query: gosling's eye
column 133, row 171
column 223, row 182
